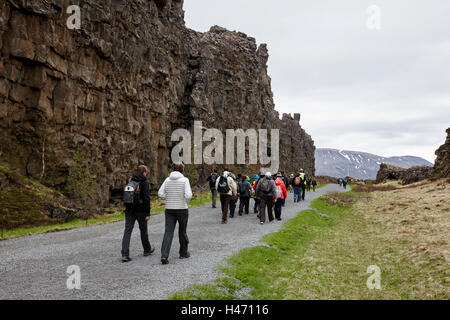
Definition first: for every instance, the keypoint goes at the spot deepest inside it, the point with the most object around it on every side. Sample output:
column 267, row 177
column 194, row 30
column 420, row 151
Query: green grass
column 200, row 199
column 312, row 257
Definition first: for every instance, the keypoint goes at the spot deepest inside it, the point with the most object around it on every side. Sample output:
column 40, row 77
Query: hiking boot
column 261, row 223
column 164, row 260
column 126, row 259
column 186, row 256
column 146, row 254
column 224, row 221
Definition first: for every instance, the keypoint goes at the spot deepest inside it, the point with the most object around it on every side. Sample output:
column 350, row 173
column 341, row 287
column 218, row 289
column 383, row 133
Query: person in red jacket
column 281, row 195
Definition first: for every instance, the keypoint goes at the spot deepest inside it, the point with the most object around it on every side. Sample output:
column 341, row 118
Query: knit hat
column 255, row 177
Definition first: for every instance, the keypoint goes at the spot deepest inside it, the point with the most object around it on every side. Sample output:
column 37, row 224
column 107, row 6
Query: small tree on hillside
column 81, row 185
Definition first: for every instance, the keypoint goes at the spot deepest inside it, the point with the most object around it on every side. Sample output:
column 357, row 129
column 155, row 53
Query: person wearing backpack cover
column 176, row 190
column 227, row 188
column 266, row 191
column 244, row 188
column 281, row 196
column 212, row 186
column 137, row 207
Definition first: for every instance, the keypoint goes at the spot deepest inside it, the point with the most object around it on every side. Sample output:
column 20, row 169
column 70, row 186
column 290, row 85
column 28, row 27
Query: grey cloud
column 390, row 89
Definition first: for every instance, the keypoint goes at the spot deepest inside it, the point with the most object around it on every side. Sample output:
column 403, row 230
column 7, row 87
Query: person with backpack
column 244, row 188
column 281, row 196
column 344, row 183
column 297, row 186
column 308, row 184
column 136, row 198
column 257, row 201
column 266, row 191
column 176, row 190
column 291, row 178
column 314, row 184
column 227, row 189
column 212, row 186
column 303, row 184
column 281, row 176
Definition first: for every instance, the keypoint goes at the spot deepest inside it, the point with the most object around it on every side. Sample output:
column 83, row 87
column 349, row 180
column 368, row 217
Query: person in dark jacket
column 257, row 201
column 308, row 184
column 212, row 186
column 267, row 192
column 244, row 188
column 139, row 212
column 314, row 184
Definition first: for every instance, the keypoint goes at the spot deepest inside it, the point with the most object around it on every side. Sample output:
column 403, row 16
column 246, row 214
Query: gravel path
column 34, row 267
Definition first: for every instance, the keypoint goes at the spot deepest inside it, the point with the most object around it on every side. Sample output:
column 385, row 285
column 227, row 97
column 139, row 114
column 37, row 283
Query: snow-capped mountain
column 360, row 165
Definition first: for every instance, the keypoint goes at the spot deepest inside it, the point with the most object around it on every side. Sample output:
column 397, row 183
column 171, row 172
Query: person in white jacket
column 176, row 189
column 227, row 188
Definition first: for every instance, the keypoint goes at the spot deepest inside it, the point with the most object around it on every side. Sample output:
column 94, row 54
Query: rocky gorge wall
column 441, row 168
column 117, row 88
column 442, row 163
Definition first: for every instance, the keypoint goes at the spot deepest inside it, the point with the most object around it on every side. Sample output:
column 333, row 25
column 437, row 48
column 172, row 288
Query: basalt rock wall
column 442, row 163
column 117, row 87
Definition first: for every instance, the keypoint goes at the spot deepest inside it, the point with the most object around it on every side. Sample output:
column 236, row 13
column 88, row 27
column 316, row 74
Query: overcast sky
column 381, row 91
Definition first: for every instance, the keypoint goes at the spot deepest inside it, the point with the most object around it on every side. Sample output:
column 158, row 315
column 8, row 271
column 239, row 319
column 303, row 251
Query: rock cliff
column 117, row 87
column 442, row 163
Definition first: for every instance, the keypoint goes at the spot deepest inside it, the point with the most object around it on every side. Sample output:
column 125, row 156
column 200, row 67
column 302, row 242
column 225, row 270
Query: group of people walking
column 268, row 191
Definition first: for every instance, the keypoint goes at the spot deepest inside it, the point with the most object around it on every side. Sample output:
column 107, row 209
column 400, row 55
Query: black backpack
column 212, row 181
column 132, row 194
column 223, row 186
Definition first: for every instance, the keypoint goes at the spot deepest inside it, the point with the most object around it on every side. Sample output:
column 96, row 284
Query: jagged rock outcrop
column 406, row 176
column 389, row 172
column 416, row 174
column 442, row 163
column 117, row 87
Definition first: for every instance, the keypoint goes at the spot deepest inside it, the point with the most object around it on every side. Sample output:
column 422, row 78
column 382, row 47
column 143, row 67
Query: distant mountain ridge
column 360, row 165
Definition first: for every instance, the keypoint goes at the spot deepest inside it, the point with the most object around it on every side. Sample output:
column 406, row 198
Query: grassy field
column 200, row 198
column 313, row 257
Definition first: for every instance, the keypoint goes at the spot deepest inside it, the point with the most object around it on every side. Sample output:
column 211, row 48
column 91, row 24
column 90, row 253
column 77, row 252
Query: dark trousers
column 214, row 197
column 303, row 192
column 266, row 202
column 278, row 208
column 225, row 204
column 244, row 204
column 233, row 202
column 256, row 206
column 172, row 217
column 130, row 219
column 297, row 194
